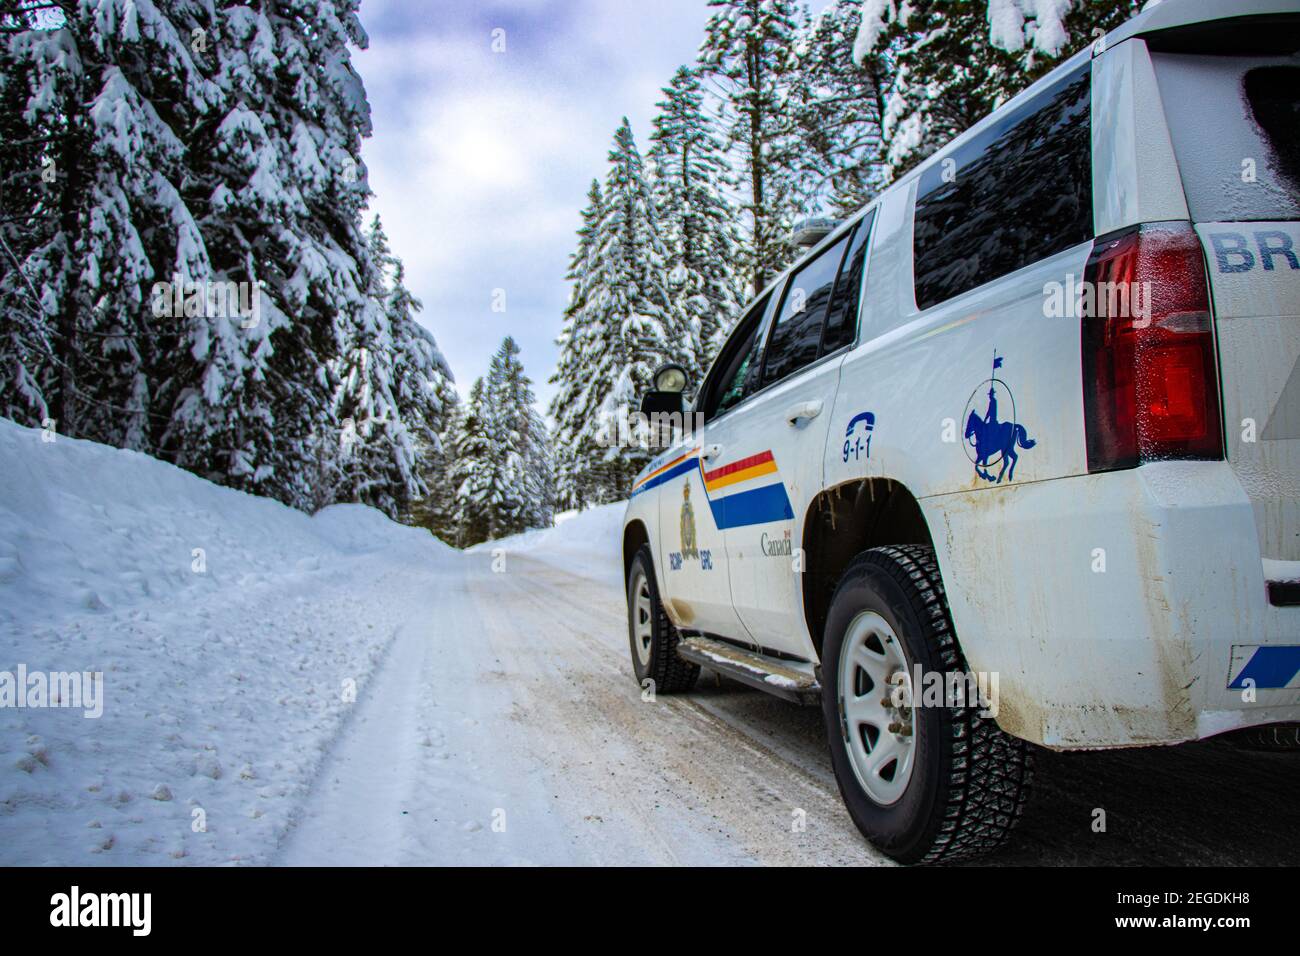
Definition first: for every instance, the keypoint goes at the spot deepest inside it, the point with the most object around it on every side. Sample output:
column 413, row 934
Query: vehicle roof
column 1165, row 14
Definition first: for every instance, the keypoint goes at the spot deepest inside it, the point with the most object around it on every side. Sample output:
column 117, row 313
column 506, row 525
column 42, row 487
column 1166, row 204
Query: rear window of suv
column 1018, row 192
column 1235, row 125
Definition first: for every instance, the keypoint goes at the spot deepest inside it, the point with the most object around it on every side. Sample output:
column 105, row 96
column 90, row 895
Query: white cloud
column 480, row 162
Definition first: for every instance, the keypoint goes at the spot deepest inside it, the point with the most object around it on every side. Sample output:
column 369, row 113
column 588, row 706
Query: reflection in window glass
column 842, row 319
column 796, row 337
column 1018, row 192
column 738, row 356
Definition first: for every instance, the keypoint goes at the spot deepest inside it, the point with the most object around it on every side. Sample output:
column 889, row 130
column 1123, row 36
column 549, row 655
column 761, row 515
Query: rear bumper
column 1112, row 607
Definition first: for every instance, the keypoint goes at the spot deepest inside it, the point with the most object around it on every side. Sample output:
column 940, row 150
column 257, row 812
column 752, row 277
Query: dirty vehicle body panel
column 1120, row 600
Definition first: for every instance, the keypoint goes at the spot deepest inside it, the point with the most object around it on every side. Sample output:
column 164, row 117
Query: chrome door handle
column 709, row 452
column 803, row 412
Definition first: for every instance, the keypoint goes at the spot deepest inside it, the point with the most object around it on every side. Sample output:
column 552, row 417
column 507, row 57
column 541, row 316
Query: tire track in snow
column 1202, row 803
column 714, row 768
column 512, row 693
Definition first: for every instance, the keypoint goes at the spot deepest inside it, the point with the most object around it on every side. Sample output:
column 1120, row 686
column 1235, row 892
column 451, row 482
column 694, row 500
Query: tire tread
column 671, row 674
column 989, row 777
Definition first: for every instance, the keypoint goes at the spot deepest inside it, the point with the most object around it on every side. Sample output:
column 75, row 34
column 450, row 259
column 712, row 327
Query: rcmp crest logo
column 689, row 548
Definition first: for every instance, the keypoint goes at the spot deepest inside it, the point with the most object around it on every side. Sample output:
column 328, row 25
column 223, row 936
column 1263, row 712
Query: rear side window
column 1235, row 125
column 1017, row 193
column 842, row 319
column 797, row 333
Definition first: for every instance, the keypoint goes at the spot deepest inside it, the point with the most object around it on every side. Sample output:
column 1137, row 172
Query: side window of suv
column 797, row 333
column 1019, row 192
column 842, row 318
column 726, row 381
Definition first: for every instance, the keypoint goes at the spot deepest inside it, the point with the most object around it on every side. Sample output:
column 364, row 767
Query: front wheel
column 653, row 637
column 926, row 781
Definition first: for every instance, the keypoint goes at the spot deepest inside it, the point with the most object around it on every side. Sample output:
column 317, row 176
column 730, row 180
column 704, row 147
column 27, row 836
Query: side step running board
column 786, row 679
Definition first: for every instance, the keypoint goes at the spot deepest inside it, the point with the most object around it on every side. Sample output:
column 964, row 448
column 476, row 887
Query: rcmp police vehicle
column 1024, row 432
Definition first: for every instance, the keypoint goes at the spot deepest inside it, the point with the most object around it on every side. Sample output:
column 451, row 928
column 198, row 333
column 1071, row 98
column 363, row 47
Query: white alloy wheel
column 875, row 697
column 643, row 633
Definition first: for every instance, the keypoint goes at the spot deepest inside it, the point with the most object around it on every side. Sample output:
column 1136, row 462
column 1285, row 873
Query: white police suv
column 1013, row 456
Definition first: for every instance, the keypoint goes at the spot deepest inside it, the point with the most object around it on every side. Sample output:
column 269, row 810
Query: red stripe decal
column 741, row 465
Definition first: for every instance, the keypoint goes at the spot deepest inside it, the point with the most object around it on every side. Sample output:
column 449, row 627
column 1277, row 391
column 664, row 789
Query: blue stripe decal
column 681, row 469
column 759, row 506
column 1270, row 667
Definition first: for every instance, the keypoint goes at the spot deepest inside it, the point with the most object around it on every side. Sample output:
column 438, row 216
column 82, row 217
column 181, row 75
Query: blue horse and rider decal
column 989, row 441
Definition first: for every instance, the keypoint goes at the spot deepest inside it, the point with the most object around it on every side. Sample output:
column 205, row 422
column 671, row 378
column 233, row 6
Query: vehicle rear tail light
column 1150, row 378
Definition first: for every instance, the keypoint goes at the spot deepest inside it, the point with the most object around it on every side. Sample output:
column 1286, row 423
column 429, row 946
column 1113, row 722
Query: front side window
column 797, row 333
column 1018, row 192
column 726, row 381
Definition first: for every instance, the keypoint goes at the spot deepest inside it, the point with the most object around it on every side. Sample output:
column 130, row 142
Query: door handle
column 709, row 452
column 803, row 412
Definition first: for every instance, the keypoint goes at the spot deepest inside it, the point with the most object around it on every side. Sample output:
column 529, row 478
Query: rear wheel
column 926, row 782
column 652, row 636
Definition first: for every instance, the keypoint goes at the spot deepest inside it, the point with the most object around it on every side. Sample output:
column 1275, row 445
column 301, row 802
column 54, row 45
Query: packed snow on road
column 274, row 688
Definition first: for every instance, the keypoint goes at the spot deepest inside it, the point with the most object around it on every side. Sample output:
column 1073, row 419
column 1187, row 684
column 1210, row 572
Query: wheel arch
column 635, row 535
column 844, row 521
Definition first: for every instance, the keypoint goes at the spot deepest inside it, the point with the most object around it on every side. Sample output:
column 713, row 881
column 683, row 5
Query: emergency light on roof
column 809, row 232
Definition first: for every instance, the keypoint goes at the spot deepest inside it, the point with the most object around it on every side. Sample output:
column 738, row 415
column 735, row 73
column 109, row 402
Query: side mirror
column 662, row 403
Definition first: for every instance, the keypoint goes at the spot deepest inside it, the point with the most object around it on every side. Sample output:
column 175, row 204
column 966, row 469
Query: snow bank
column 587, row 543
column 228, row 631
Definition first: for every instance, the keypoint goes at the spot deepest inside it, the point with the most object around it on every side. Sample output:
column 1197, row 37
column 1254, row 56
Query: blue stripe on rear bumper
column 1270, row 667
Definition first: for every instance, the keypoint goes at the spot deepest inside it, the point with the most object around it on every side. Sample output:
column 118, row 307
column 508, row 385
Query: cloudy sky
column 481, row 161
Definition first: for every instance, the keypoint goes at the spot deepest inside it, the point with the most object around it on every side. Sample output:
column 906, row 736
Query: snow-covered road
column 515, row 703
column 506, row 729
column 339, row 689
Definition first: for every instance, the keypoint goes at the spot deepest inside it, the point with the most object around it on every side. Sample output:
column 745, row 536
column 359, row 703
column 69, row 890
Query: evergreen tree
column 576, row 342
column 435, row 508
column 90, row 209
column 475, row 471
column 697, row 219
column 522, row 446
column 955, row 61
column 620, row 329
column 500, row 458
column 840, row 105
column 278, row 170
column 749, row 55
column 159, row 156
column 389, row 396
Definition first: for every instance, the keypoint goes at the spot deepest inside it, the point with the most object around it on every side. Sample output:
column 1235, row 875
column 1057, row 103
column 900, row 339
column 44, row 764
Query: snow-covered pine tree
column 435, row 509
column 27, row 221
column 97, row 98
column 423, row 381
column 278, row 173
column 123, row 117
column 840, row 105
column 955, row 61
column 697, row 218
column 475, row 469
column 522, row 446
column 619, row 330
column 391, row 378
column 575, row 343
column 1042, row 34
column 749, row 56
